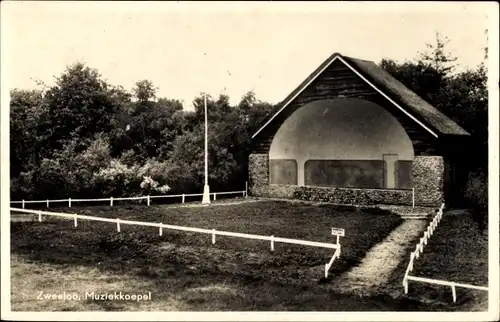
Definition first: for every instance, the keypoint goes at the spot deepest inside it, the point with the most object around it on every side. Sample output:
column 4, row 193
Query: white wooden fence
column 273, row 239
column 419, row 249
column 148, row 198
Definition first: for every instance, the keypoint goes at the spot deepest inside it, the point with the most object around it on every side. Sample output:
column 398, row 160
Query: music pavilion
column 352, row 134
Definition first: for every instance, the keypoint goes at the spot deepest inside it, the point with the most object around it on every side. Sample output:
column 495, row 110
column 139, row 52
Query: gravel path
column 380, row 261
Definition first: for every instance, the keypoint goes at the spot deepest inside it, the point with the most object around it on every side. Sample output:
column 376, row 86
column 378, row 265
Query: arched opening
column 348, row 142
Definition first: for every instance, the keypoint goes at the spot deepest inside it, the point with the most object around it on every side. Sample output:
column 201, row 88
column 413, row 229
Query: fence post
column 161, row 229
column 23, row 203
column 47, row 203
column 111, row 201
column 272, row 243
column 215, row 196
column 149, row 200
column 183, row 198
column 118, row 224
column 75, row 216
column 246, row 189
column 326, row 270
column 412, row 256
column 213, row 236
column 69, row 202
column 405, row 284
column 39, row 216
column 413, row 197
column 453, row 292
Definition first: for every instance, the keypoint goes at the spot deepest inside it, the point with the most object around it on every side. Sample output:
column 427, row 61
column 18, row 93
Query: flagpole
column 206, row 189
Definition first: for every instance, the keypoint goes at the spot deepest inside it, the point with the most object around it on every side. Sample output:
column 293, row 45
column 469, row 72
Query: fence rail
column 453, row 285
column 183, row 196
column 273, row 239
column 419, row 249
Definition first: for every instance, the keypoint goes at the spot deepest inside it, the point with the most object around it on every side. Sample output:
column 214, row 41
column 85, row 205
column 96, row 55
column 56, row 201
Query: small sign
column 338, row 231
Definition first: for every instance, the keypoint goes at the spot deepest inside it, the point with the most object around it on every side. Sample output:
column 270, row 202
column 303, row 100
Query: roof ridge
column 363, row 60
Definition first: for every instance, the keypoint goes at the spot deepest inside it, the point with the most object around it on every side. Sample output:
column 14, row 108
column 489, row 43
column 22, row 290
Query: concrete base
column 206, row 195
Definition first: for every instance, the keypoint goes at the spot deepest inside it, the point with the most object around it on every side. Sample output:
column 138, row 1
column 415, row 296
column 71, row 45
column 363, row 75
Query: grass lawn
column 179, row 289
column 457, row 252
column 184, row 271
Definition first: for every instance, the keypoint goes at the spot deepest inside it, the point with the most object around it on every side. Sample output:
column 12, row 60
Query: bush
column 476, row 195
column 55, row 178
column 21, row 187
column 120, row 179
column 87, row 163
column 184, row 179
column 91, row 172
column 68, row 172
column 117, row 179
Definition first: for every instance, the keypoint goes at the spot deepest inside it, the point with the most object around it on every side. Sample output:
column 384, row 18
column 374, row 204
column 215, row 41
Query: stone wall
column 258, row 173
column 428, row 180
column 344, row 196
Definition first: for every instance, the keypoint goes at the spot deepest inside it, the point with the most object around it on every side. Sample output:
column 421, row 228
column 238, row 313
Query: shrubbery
column 476, row 195
column 92, row 173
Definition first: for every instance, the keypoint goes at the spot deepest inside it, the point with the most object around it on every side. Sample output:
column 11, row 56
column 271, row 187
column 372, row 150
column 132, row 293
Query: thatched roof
column 386, row 84
column 392, row 87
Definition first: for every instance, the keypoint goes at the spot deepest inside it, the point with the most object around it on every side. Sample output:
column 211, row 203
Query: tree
column 121, row 120
column 252, row 110
column 171, row 126
column 79, row 105
column 465, row 100
column 437, row 56
column 144, row 90
column 485, row 49
column 150, row 131
column 145, row 93
column 420, row 77
column 27, row 110
column 121, row 99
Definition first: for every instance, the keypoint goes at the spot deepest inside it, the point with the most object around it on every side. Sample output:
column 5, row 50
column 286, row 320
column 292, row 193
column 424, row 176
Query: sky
column 188, row 48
